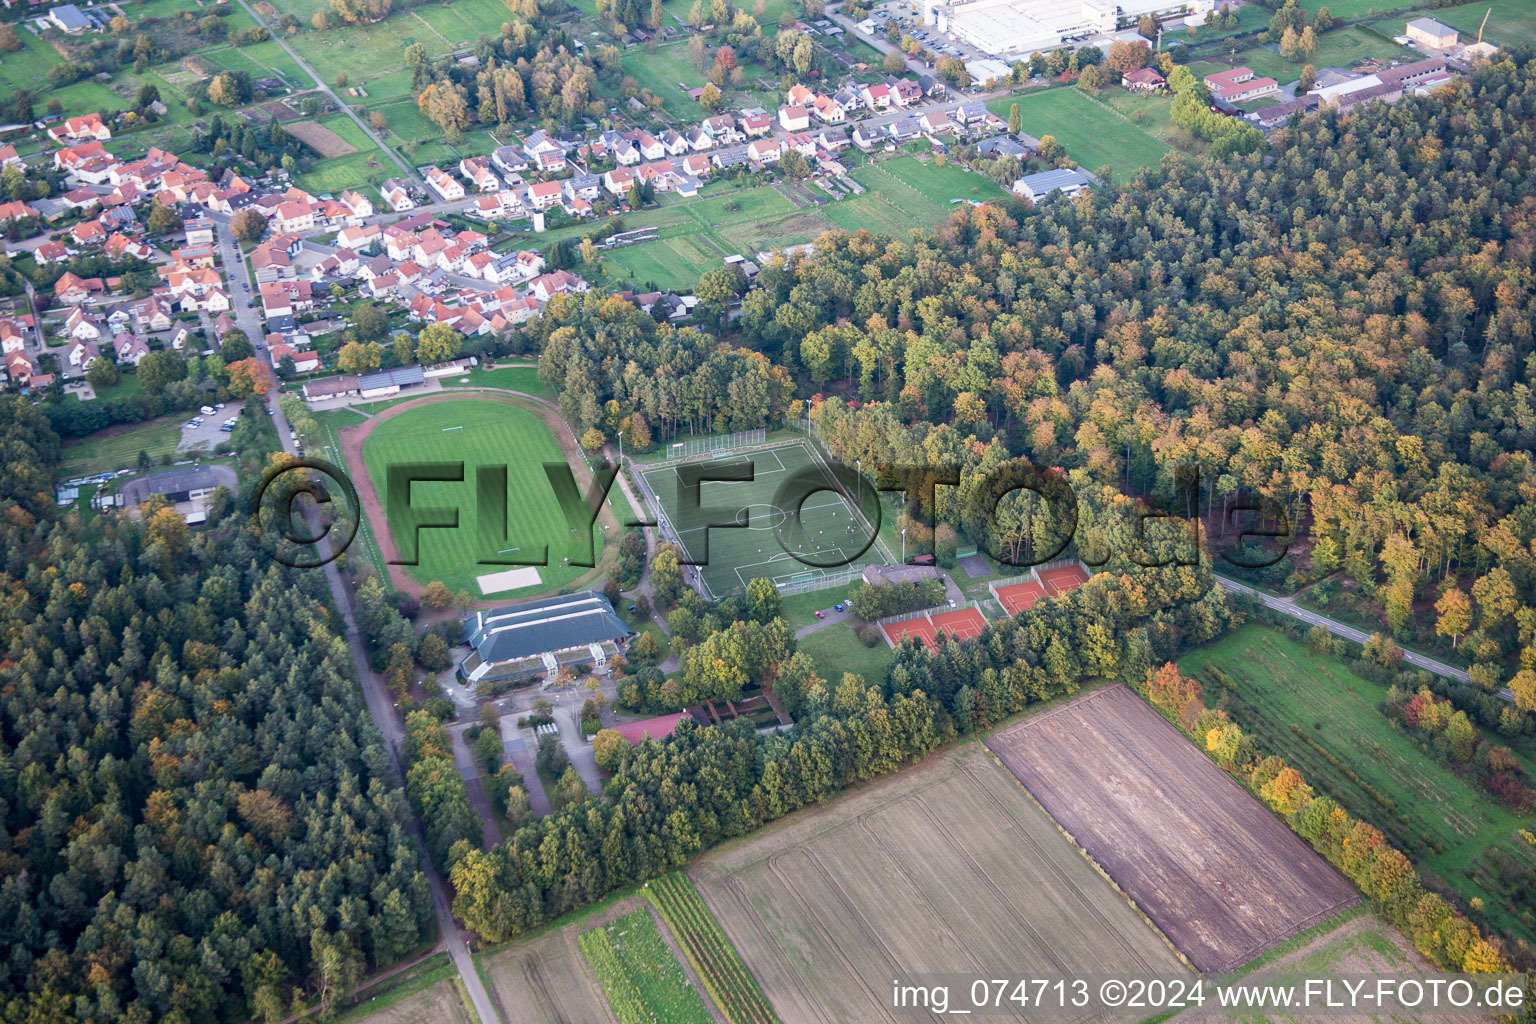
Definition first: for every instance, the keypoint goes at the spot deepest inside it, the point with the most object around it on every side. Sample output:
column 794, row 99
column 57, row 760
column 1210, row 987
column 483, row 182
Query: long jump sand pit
column 510, row 579
column 948, row 867
column 1219, row 874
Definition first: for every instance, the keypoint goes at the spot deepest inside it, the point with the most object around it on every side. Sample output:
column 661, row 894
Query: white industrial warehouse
column 1017, row 28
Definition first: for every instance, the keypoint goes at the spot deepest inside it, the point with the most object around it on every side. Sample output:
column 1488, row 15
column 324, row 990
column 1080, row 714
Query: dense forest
column 196, row 817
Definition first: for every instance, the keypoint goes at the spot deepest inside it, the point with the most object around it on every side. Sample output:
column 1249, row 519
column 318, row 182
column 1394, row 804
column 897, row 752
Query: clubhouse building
column 521, row 641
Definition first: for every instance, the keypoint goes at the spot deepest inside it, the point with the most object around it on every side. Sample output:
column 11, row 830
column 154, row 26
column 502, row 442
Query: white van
column 207, row 410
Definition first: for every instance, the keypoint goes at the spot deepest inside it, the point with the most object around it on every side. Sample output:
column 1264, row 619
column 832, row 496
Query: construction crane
column 1483, row 25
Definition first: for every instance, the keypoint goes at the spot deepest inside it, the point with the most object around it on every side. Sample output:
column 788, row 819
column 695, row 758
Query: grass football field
column 478, row 433
column 1324, row 719
column 771, row 544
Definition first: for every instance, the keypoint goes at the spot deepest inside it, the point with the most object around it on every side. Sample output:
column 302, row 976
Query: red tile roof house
column 51, row 252
column 544, row 195
column 877, row 95
column 1143, row 80
column 16, row 210
column 1238, row 84
column 73, row 289
column 76, row 129
column 658, row 728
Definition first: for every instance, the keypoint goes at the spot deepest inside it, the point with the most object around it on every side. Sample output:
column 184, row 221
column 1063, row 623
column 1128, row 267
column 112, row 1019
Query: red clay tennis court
column 961, row 624
column 1019, row 597
column 920, row 629
column 1063, row 580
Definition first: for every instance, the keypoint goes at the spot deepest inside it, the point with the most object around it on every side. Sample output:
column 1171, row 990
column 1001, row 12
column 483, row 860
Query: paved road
column 241, row 294
column 1288, row 606
column 38, row 345
column 406, row 169
column 381, row 708
column 470, row 767
column 576, row 748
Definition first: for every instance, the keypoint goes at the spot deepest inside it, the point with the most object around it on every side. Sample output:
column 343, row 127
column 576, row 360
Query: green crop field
column 407, row 124
column 917, row 194
column 381, row 87
column 1153, row 115
column 477, row 432
column 640, row 977
column 714, row 959
column 822, row 540
column 1093, row 133
column 1324, row 719
column 364, row 50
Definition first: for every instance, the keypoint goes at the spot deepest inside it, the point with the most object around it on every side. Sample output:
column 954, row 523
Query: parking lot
column 910, row 18
column 207, row 435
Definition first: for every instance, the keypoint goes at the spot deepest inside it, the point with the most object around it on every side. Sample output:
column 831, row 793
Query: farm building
column 1431, row 33
column 1036, row 187
column 522, row 640
column 69, row 18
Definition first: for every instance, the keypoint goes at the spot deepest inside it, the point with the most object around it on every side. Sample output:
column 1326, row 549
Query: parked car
column 821, row 615
column 837, row 607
